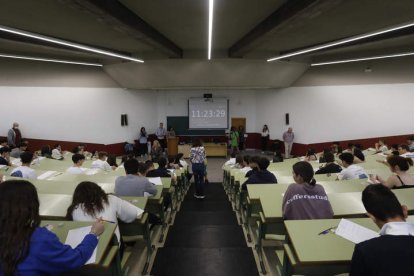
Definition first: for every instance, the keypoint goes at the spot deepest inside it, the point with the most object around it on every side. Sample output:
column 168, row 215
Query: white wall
column 76, row 114
column 329, row 113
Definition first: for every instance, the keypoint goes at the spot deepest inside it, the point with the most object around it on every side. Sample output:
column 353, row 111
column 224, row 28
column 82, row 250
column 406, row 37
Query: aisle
column 205, row 240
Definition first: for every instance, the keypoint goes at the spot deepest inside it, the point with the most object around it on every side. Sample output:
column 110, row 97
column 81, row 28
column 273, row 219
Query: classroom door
column 236, row 122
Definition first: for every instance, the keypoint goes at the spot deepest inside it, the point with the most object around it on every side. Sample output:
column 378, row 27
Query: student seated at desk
column 112, row 161
column 381, row 147
column 262, row 176
column 246, row 164
column 399, row 166
column 134, row 183
column 161, row 171
column 90, row 203
column 311, row 155
column 45, row 151
column 358, row 154
column 101, row 163
column 404, row 151
column 330, row 166
column 15, row 153
column 254, row 165
column 156, row 151
column 351, row 171
column 78, row 160
column 392, row 252
column 410, row 143
column 5, row 156
column 57, row 152
column 305, row 199
column 27, row 248
column 24, row 170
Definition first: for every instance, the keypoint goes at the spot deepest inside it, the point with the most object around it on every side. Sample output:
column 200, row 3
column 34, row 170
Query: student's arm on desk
column 358, row 266
column 58, row 257
column 150, row 188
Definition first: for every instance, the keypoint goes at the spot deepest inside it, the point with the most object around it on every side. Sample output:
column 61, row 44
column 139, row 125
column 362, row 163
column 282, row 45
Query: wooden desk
column 212, row 149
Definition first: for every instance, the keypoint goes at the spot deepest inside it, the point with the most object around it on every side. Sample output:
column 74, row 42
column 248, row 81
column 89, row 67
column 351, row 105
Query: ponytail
column 409, row 161
column 312, row 182
column 305, row 170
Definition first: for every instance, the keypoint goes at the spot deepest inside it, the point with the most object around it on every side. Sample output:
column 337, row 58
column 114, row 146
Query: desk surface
column 61, row 229
column 54, row 206
column 330, row 247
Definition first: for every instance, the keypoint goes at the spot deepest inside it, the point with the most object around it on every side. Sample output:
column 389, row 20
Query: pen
column 326, row 231
column 107, row 221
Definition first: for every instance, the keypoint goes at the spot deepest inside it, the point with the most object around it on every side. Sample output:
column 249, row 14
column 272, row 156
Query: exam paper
column 354, row 232
column 75, row 237
column 91, row 171
column 46, row 175
column 155, row 180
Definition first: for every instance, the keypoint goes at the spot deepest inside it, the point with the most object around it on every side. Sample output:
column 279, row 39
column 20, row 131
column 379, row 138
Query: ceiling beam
column 285, row 12
column 115, row 14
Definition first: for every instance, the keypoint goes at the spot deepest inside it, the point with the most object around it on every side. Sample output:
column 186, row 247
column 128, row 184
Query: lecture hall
column 209, row 137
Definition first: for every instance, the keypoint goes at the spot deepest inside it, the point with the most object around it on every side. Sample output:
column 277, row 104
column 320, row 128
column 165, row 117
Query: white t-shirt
column 265, row 133
column 117, row 208
column 76, row 170
column 56, row 154
column 383, row 148
column 352, row 172
column 100, row 164
column 26, row 172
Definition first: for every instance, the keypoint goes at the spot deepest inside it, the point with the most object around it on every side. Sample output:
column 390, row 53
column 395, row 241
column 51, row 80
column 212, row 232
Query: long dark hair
column 91, row 196
column 305, row 170
column 19, row 217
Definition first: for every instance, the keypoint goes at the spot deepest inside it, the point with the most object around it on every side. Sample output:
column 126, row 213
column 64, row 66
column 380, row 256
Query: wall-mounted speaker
column 287, row 118
column 208, row 96
column 124, row 120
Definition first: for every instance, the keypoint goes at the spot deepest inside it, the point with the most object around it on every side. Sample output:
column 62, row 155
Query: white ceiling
column 184, row 23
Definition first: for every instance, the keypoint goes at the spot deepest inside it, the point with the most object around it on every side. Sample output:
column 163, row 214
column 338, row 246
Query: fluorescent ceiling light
column 210, row 26
column 362, row 59
column 50, row 60
column 67, row 43
column 343, row 41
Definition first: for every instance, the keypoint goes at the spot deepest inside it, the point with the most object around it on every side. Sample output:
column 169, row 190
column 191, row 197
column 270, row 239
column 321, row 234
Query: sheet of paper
column 91, row 171
column 354, row 232
column 75, row 237
column 46, row 175
column 155, row 180
column 140, row 212
column 2, row 166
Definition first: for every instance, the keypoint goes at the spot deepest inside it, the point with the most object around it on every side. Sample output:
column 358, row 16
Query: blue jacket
column 48, row 256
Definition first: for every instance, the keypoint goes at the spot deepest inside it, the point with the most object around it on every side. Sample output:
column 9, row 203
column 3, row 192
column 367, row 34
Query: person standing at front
column 265, row 138
column 161, row 133
column 197, row 158
column 288, row 138
column 14, row 136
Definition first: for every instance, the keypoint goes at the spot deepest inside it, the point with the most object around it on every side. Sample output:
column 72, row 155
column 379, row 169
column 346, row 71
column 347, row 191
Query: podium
column 172, row 145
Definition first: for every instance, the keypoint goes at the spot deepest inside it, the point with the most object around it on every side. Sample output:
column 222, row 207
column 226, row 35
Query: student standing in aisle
column 197, row 158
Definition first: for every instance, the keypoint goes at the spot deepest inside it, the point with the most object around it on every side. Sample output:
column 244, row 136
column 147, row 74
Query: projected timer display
column 208, row 113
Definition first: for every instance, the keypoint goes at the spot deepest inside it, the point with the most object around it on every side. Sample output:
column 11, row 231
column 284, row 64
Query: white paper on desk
column 2, row 166
column 354, row 232
column 91, row 171
column 75, row 237
column 46, row 175
column 139, row 212
column 155, row 180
